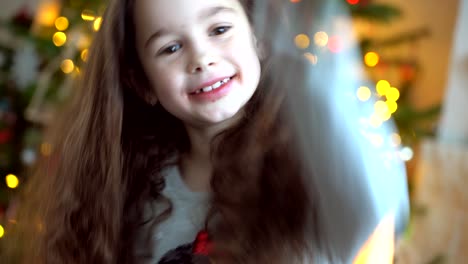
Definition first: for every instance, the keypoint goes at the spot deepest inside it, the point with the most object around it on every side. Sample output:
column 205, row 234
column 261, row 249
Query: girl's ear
column 142, row 87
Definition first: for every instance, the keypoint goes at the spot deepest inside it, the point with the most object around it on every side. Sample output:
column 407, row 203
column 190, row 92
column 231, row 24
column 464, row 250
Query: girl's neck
column 195, row 166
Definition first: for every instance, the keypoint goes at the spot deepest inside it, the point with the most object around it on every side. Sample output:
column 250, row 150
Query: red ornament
column 202, row 245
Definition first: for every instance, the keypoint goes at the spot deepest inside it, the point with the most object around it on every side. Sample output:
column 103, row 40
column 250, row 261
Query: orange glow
column 47, row 13
column 295, row 1
column 379, row 248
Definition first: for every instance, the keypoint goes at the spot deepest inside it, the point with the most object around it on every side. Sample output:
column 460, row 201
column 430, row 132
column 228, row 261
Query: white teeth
column 207, row 89
column 217, row 85
column 214, row 86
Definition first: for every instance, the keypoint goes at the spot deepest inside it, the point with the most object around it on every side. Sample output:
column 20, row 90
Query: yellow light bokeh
column 371, row 59
column 393, row 94
column 59, row 39
column 382, row 87
column 302, row 41
column 61, row 23
column 88, row 15
column 97, row 24
column 12, row 181
column 321, row 39
column 67, row 66
column 311, row 57
column 47, row 13
column 46, row 149
column 392, row 106
column 84, row 54
column 2, row 231
column 363, row 93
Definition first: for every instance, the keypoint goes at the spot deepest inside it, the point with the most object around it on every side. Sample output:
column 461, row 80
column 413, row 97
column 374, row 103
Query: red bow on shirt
column 202, row 244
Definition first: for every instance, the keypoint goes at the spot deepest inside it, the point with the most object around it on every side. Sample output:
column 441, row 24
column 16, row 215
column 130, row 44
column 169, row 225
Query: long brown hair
column 109, row 149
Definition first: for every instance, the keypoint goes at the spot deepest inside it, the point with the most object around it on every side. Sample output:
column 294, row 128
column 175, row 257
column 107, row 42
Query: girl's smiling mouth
column 213, row 90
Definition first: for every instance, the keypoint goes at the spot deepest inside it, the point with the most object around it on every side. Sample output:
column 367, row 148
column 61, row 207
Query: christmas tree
column 41, row 55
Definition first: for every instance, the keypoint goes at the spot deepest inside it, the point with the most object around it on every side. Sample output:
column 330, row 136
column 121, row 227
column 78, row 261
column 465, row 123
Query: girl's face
column 199, row 56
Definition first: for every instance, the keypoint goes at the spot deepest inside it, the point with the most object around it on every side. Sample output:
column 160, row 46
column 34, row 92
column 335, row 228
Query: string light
column 97, row 24
column 392, row 106
column 67, row 66
column 59, row 39
column 61, row 23
column 392, row 94
column 12, row 181
column 84, row 54
column 88, row 15
column 382, row 87
column 311, row 57
column 353, row 2
column 363, row 93
column 321, row 39
column 2, row 231
column 396, row 139
column 371, row 59
column 302, row 41
column 406, row 154
column 334, row 44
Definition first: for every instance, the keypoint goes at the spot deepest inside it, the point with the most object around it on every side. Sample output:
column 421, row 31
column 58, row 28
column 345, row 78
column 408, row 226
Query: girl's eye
column 220, row 30
column 171, row 49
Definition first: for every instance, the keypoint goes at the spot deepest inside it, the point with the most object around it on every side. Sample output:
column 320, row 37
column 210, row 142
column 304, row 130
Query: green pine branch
column 377, row 12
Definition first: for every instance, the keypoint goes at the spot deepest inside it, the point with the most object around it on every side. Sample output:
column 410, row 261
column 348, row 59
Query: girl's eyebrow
column 207, row 13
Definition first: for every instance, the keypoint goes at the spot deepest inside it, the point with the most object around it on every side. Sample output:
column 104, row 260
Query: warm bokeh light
column 61, row 23
column 380, row 247
column 295, row 1
column 59, row 39
column 11, row 181
column 46, row 149
column 363, row 93
column 67, row 66
column 97, row 24
column 2, row 231
column 371, row 59
column 334, row 44
column 392, row 106
column 311, row 57
column 406, row 154
column 84, row 54
column 380, row 107
column 382, row 87
column 392, row 94
column 321, row 39
column 396, row 139
column 47, row 13
column 302, row 41
column 88, row 15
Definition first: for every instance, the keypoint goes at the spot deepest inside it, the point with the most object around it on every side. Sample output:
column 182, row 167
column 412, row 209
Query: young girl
column 176, row 148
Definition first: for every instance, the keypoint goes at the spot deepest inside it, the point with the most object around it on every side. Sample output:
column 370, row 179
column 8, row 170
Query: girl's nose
column 201, row 60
